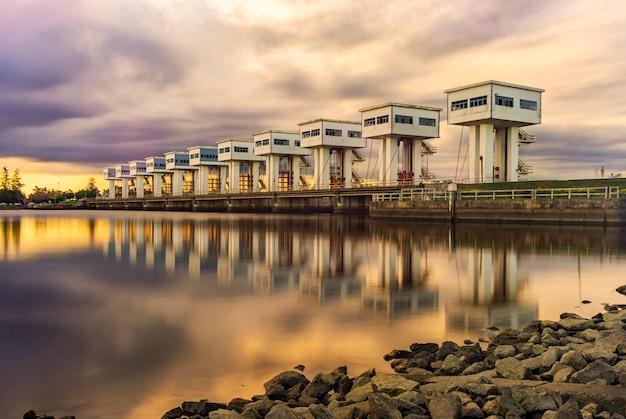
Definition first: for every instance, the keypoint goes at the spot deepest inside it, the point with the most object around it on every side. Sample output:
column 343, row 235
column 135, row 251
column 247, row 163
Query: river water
column 128, row 314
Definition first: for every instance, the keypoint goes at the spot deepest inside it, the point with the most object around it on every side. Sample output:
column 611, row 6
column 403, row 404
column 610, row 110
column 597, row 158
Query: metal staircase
column 526, row 138
column 357, row 156
column 523, row 168
column 428, row 148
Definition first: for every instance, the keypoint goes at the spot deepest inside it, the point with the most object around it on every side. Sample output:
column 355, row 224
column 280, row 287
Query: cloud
column 102, row 82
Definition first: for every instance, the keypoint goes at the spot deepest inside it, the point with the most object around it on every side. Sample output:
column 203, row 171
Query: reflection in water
column 127, row 314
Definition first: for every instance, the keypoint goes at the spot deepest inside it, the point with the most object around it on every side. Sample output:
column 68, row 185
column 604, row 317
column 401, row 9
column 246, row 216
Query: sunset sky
column 88, row 83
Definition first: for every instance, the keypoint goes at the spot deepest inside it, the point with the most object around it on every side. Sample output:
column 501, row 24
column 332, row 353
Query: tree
column 5, row 180
column 16, row 181
column 91, row 191
column 10, row 186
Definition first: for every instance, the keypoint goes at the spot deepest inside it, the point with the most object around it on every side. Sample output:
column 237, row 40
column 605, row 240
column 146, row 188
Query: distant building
column 243, row 165
column 333, row 143
column 283, row 154
column 495, row 112
column 401, row 131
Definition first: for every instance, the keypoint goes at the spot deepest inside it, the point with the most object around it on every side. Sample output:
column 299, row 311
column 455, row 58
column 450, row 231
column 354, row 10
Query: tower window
column 384, row 119
column 429, row 122
column 478, row 101
column 458, row 104
column 369, row 122
column 504, row 101
column 528, row 104
column 403, row 119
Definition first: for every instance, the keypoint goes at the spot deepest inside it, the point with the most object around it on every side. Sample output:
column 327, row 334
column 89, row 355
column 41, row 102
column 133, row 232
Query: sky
column 86, row 84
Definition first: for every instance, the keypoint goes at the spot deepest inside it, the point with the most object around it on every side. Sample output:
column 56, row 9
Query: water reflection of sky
column 115, row 315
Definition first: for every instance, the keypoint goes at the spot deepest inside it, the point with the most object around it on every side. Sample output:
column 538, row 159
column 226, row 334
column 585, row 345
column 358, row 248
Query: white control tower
column 495, row 112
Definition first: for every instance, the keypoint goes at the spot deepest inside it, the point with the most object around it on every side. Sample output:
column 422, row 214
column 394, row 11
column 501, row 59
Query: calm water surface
column 127, row 314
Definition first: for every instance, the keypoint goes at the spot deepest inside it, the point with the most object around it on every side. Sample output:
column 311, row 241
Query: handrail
column 604, row 192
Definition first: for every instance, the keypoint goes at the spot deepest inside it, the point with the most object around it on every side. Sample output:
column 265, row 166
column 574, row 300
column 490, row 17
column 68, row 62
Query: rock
column 504, row 351
column 569, row 410
column 452, row 365
column 224, row 414
column 319, row 411
column 595, row 354
column 482, row 388
column 475, row 368
column 280, row 411
column 446, row 349
column 175, row 413
column 238, row 404
column 274, row 391
column 574, row 359
column 576, row 323
column 398, row 354
column 470, row 353
column 471, row 410
column 594, row 371
column 413, row 397
column 621, row 289
column 382, row 407
column 446, row 406
column 287, row 379
column 294, row 393
column 360, row 393
column 504, row 406
column 408, row 408
column 353, row 411
column 424, row 347
column 257, row 408
column 532, row 400
column 201, row 408
column 564, row 375
column 512, row 368
column 393, row 384
column 321, row 384
column 551, row 356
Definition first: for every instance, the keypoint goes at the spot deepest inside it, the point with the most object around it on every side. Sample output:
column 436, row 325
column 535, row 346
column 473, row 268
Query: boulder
column 532, row 400
column 393, row 384
column 201, row 408
column 319, row 411
column 360, row 393
column 574, row 359
column 569, row 410
column 504, row 351
column 224, row 414
column 238, row 404
column 382, row 407
column 453, row 365
column 564, row 375
column 353, row 411
column 594, row 371
column 512, row 368
column 471, row 410
column 321, row 384
column 597, row 353
column 280, row 411
column 424, row 347
column 503, row 406
column 287, row 379
column 445, row 406
column 446, row 349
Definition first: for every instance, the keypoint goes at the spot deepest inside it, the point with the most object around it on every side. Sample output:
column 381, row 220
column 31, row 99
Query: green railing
column 605, row 192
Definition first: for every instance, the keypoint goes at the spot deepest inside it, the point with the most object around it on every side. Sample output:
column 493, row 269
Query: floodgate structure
column 315, row 168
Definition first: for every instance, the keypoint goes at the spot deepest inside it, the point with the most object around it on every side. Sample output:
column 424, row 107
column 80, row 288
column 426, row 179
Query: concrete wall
column 557, row 211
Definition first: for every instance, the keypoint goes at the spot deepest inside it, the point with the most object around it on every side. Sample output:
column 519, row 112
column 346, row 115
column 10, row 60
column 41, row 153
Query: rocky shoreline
column 574, row 368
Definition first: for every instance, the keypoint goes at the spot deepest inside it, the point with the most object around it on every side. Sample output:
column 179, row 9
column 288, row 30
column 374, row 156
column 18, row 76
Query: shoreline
column 574, row 367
